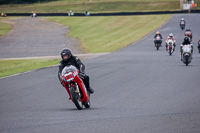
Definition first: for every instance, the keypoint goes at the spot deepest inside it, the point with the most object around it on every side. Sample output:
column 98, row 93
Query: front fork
column 74, row 87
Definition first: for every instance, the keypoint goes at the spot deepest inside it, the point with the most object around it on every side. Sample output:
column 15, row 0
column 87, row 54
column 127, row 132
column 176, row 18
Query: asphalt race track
column 137, row 90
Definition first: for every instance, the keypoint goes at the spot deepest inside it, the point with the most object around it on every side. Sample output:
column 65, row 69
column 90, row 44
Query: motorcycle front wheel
column 186, row 63
column 157, row 46
column 76, row 98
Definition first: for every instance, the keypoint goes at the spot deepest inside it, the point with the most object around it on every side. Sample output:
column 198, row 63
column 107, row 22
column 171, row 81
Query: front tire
column 76, row 98
column 186, row 63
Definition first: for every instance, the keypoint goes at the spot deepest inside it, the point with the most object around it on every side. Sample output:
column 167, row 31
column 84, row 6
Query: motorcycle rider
column 186, row 42
column 69, row 59
column 171, row 36
column 158, row 34
column 182, row 22
column 188, row 33
column 199, row 45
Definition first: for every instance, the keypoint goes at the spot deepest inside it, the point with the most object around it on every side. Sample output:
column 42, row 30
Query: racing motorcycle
column 186, row 55
column 182, row 26
column 170, row 46
column 75, row 87
column 158, row 42
column 198, row 46
column 189, row 35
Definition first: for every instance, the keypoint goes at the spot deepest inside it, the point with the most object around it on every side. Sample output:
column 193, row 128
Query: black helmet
column 186, row 39
column 66, row 52
column 187, row 30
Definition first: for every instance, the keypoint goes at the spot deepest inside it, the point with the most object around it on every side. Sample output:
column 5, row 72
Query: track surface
column 137, row 90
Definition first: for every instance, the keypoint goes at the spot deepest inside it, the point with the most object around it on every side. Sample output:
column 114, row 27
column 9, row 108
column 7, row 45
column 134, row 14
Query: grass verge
column 10, row 67
column 62, row 6
column 97, row 34
column 4, row 27
column 108, row 34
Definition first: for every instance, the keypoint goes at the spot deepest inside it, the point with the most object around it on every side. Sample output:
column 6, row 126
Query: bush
column 23, row 1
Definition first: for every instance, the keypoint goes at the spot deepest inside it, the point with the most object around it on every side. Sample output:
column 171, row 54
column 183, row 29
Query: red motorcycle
column 75, row 87
column 188, row 33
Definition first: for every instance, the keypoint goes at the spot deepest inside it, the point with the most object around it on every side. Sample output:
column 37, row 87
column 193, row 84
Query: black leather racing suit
column 185, row 43
column 75, row 61
column 157, row 40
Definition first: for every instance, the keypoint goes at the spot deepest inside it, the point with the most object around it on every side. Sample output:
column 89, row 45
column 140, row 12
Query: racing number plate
column 69, row 77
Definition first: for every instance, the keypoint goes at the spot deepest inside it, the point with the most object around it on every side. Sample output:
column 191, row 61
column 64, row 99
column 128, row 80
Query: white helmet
column 182, row 18
column 171, row 35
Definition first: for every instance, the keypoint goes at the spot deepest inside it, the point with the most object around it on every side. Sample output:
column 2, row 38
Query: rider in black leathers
column 69, row 59
column 188, row 33
column 186, row 42
column 182, row 21
column 198, row 46
column 158, row 34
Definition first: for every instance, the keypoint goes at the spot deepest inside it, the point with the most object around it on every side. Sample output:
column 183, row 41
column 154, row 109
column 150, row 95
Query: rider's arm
column 160, row 36
column 80, row 65
column 61, row 66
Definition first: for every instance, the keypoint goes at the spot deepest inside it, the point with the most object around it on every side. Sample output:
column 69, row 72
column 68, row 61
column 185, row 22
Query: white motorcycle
column 186, row 55
column 170, row 46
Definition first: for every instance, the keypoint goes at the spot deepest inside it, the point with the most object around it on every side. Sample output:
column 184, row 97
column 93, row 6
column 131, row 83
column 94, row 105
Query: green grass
column 108, row 34
column 96, row 6
column 4, row 27
column 10, row 67
column 97, row 34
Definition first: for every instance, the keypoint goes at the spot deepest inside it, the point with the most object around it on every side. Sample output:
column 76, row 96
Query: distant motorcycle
column 198, row 46
column 158, row 42
column 170, row 46
column 186, row 55
column 182, row 26
column 75, row 87
column 189, row 35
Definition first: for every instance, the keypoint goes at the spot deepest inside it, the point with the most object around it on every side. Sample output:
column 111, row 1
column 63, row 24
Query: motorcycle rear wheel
column 157, row 46
column 87, row 104
column 170, row 51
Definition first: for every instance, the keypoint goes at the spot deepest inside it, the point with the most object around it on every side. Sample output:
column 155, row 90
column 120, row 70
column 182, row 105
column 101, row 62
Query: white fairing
column 187, row 48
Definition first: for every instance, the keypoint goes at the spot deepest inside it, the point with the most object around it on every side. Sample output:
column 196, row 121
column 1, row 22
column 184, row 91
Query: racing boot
column 90, row 90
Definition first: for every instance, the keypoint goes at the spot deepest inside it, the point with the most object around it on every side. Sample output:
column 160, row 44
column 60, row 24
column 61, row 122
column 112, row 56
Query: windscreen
column 68, row 69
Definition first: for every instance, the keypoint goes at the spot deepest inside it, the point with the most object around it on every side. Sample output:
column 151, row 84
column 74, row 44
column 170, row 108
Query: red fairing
column 80, row 82
column 188, row 33
column 83, row 88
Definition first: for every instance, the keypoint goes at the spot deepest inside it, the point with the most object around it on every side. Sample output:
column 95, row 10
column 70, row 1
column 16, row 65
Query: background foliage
column 23, row 1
